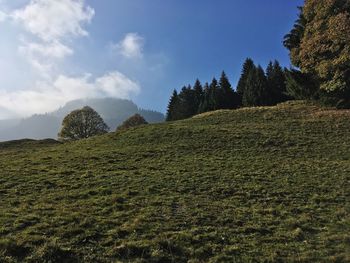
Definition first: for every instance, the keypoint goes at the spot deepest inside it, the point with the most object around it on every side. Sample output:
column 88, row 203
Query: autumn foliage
column 319, row 44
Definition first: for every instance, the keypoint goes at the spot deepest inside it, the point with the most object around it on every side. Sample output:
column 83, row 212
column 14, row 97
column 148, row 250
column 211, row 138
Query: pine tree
column 187, row 100
column 300, row 86
column 293, row 39
column 204, row 104
column 255, row 93
column 262, row 87
column 248, row 66
column 227, row 96
column 271, row 85
column 213, row 95
column 225, row 92
column 276, row 83
column 173, row 106
column 198, row 90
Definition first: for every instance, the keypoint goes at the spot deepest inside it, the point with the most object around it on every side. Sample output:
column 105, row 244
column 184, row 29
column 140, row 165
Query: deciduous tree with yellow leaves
column 319, row 44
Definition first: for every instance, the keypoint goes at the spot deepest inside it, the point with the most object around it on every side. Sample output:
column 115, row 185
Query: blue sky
column 56, row 50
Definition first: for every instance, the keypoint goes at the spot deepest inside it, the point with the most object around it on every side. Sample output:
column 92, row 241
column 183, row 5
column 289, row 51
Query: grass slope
column 251, row 185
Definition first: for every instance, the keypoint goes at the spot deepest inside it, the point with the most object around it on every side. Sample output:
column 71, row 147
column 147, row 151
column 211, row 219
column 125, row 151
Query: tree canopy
column 171, row 114
column 255, row 92
column 319, row 44
column 276, row 82
column 133, row 121
column 247, row 67
column 82, row 123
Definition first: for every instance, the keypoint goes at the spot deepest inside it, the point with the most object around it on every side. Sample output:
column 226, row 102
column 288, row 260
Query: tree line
column 319, row 46
column 256, row 87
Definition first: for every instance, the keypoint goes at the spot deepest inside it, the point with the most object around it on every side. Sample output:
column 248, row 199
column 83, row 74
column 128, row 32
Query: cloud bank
column 46, row 97
column 49, row 29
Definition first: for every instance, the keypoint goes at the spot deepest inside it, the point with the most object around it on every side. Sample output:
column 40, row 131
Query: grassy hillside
column 251, row 185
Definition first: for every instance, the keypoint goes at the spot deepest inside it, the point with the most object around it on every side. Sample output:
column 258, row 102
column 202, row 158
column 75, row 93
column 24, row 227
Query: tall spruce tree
column 173, row 107
column 227, row 96
column 213, row 103
column 293, row 39
column 248, row 66
column 255, row 93
column 271, row 85
column 187, row 100
column 276, row 83
column 204, row 104
column 300, row 86
column 198, row 90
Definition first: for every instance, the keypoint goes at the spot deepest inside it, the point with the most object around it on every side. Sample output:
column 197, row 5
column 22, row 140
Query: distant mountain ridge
column 42, row 126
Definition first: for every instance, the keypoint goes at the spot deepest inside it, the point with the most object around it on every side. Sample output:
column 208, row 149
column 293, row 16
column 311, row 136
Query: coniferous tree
column 248, row 66
column 270, row 82
column 255, row 93
column 293, row 39
column 227, row 96
column 300, row 86
column 204, row 104
column 198, row 90
column 262, row 87
column 224, row 91
column 187, row 103
column 276, row 83
column 213, row 95
column 173, row 107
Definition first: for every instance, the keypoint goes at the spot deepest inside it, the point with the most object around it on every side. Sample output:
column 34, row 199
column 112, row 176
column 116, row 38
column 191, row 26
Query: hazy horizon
column 42, row 126
column 87, row 100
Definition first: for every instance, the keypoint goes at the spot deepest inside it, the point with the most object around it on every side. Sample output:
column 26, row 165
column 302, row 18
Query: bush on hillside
column 133, row 121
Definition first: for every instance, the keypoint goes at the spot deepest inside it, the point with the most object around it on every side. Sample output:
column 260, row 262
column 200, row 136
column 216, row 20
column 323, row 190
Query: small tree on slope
column 81, row 124
column 133, row 121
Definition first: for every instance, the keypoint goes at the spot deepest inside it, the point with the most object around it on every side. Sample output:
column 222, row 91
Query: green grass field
column 266, row 184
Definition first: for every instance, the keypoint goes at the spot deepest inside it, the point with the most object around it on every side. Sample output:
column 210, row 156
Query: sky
column 54, row 51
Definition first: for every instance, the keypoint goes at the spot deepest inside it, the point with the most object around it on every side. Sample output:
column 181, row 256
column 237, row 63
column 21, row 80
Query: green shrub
column 133, row 121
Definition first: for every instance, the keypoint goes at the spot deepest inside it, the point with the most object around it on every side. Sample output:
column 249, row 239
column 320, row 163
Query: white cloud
column 48, row 29
column 131, row 46
column 50, row 50
column 43, row 57
column 107, row 85
column 3, row 16
column 52, row 20
column 46, row 97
